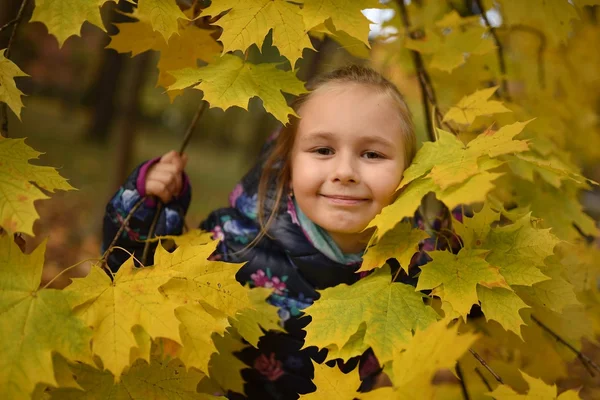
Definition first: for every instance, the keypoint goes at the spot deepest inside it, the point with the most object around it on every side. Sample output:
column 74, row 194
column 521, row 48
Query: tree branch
column 585, row 360
column 15, row 24
column 499, row 49
column 428, row 96
column 482, row 362
column 463, row 385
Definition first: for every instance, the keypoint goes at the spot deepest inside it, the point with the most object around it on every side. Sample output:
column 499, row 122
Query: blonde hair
column 277, row 167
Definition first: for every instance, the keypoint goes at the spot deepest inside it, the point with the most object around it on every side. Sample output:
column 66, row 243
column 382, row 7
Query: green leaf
column 17, row 194
column 459, row 276
column 230, row 81
column 392, row 312
column 9, row 93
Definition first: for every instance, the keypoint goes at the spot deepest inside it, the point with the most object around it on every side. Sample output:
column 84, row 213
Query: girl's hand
column 165, row 178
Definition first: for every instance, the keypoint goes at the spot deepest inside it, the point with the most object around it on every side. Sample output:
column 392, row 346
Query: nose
column 345, row 170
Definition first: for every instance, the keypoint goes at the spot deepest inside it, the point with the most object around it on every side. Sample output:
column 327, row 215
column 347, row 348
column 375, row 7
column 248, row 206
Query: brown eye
column 324, row 151
column 372, row 155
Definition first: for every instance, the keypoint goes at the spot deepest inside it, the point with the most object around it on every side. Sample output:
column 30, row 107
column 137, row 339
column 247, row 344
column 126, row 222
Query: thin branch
column 482, row 362
column 499, row 49
column 186, row 140
column 15, row 25
column 8, row 24
column 427, row 92
column 192, row 126
column 461, row 378
column 483, row 378
column 151, row 233
column 582, row 357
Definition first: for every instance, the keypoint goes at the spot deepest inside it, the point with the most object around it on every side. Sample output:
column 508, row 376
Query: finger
column 169, row 168
column 168, row 158
column 184, row 159
column 159, row 189
column 162, row 176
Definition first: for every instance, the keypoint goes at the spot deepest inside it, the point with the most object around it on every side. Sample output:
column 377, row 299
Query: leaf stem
column 482, row 362
column 585, row 360
column 499, row 49
column 128, row 252
column 151, row 233
column 69, row 268
column 14, row 23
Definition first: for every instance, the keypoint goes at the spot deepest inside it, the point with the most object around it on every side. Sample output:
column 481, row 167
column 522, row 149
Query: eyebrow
column 367, row 139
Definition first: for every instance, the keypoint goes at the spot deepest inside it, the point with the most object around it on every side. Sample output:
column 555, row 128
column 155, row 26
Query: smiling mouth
column 344, row 200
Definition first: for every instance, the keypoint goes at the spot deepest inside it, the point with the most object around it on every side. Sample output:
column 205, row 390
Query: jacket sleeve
column 170, row 220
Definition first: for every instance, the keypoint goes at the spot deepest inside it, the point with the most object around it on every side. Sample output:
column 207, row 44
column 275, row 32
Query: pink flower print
column 260, row 279
column 268, row 366
column 237, row 192
column 278, row 285
column 217, row 233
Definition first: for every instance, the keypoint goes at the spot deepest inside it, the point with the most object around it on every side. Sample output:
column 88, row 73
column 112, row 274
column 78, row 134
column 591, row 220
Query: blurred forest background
column 96, row 114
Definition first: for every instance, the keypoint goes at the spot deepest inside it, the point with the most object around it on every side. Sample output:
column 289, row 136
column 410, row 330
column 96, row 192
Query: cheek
column 385, row 183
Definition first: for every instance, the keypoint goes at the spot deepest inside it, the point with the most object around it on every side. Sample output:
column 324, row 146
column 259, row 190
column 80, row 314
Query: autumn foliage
column 512, row 108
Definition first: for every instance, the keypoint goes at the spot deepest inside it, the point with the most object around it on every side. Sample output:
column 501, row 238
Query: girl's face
column 347, row 159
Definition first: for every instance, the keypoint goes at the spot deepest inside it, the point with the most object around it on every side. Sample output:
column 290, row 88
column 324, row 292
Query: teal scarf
column 323, row 241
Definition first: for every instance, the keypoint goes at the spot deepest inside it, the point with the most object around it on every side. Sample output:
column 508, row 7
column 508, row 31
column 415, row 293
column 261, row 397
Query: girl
column 297, row 218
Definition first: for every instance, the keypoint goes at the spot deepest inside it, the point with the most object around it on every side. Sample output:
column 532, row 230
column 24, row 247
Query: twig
column 427, row 91
column 461, row 378
column 15, row 24
column 192, row 126
column 499, row 50
column 121, row 229
column 582, row 357
column 8, row 24
column 485, row 381
column 186, row 140
column 482, row 362
column 151, row 233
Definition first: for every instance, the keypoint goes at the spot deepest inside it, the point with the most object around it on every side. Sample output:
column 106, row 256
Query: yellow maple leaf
column 182, row 50
column 459, row 276
column 230, row 81
column 345, row 16
column 249, row 21
column 225, row 368
column 401, row 243
column 473, row 231
column 9, row 93
column 251, row 321
column 502, row 305
column 198, row 323
column 473, row 190
column 355, row 346
column 17, row 194
column 450, row 162
column 113, row 308
column 474, row 105
column 332, row 383
column 434, row 348
column 392, row 311
column 450, row 44
column 34, row 323
column 64, row 18
column 347, row 42
column 519, row 250
column 158, row 379
column 163, row 15
column 198, row 279
column 538, row 390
